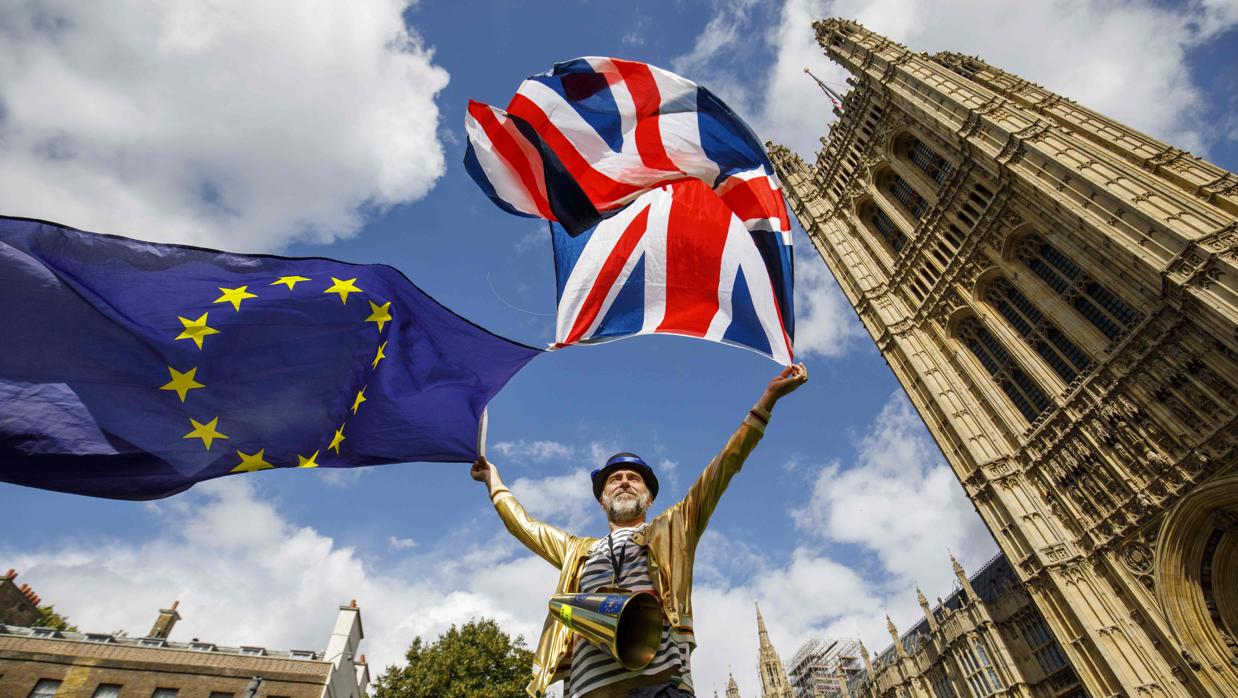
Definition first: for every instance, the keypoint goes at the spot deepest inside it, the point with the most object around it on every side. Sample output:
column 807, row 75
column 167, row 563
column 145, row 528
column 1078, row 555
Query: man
column 636, row 555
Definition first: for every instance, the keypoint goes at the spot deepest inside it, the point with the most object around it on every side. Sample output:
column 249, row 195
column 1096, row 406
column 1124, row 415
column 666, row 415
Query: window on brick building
column 1097, row 304
column 924, row 157
column 1046, row 650
column 45, row 688
column 164, row 693
column 221, row 694
column 1022, row 390
column 107, row 690
column 884, row 227
column 908, row 197
column 1064, row 356
column 978, row 669
column 941, row 685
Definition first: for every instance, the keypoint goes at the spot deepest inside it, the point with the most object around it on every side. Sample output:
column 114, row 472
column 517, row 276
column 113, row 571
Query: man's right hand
column 483, row 471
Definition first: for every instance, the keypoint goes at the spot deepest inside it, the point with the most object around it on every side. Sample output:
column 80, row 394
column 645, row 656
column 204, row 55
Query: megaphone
column 628, row 625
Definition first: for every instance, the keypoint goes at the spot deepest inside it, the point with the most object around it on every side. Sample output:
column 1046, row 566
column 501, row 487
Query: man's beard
column 621, row 509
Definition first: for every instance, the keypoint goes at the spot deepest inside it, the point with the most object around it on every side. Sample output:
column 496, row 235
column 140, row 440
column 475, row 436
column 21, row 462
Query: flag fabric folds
column 581, row 143
column 133, row 370
column 675, row 261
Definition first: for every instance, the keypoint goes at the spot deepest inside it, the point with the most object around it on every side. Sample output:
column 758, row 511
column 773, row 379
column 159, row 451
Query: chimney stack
column 166, row 620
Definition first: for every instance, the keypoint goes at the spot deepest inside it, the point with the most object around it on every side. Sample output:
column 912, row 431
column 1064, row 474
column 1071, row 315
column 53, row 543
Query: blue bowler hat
column 624, row 461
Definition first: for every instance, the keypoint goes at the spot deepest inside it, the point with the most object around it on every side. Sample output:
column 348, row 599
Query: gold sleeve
column 548, row 542
column 702, row 498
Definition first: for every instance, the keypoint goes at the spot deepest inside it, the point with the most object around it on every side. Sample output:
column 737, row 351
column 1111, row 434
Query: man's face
column 625, row 496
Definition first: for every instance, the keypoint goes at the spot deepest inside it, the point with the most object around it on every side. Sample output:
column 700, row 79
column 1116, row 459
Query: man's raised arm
column 702, row 498
column 549, row 542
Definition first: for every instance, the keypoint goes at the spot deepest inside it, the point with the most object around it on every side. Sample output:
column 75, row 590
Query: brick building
column 38, row 662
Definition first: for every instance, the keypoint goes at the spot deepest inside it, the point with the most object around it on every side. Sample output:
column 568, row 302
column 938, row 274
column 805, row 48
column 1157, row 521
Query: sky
column 336, row 129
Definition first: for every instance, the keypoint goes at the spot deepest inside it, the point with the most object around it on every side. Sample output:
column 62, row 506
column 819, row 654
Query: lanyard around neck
column 616, row 562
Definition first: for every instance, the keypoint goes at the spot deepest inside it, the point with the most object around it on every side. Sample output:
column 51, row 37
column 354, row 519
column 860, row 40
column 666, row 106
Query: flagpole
column 482, row 426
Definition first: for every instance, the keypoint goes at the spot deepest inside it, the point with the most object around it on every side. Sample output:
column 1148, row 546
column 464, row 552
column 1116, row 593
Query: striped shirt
column 593, row 668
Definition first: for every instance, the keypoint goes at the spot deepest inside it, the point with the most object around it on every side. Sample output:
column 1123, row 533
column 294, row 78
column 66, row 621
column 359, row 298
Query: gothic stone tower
column 774, row 683
column 1058, row 295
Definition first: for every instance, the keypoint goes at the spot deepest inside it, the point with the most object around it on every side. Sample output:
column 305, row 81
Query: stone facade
column 986, row 638
column 1058, row 295
column 76, row 664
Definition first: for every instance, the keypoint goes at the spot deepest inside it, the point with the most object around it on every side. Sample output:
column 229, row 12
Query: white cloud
column 535, row 451
column 536, row 239
column 234, row 124
column 245, row 574
column 341, row 477
column 1082, row 50
column 566, row 500
column 900, row 500
column 394, row 543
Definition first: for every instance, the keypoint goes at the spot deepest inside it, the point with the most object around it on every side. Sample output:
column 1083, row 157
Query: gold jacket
column 670, row 538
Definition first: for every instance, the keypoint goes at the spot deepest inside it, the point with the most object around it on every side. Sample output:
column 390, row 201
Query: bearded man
column 636, row 555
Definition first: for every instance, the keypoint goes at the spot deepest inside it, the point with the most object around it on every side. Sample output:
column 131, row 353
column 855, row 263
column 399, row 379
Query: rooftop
column 125, row 640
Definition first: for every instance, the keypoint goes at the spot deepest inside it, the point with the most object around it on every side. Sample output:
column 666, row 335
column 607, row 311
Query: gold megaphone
column 627, row 625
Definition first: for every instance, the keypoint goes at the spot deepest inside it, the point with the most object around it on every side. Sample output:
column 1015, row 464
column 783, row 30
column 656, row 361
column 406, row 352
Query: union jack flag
column 669, row 216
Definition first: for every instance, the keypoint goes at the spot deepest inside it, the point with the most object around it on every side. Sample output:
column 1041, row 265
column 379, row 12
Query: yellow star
column 335, row 440
column 343, row 288
column 289, row 281
column 379, row 356
column 206, row 432
column 303, row 462
column 359, row 399
column 381, row 314
column 182, row 383
column 249, row 463
column 234, row 296
column 195, row 329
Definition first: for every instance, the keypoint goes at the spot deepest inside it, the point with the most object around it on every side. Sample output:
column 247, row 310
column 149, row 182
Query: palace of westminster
column 1058, row 295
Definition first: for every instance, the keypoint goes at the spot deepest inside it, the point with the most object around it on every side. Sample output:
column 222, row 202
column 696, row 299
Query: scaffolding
column 821, row 664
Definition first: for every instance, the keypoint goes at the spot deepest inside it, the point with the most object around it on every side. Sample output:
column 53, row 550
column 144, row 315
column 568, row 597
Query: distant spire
column 834, row 97
column 924, row 606
column 868, row 662
column 761, row 624
column 962, row 576
column 898, row 643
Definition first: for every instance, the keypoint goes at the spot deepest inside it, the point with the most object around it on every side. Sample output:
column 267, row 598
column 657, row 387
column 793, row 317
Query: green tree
column 476, row 660
column 48, row 618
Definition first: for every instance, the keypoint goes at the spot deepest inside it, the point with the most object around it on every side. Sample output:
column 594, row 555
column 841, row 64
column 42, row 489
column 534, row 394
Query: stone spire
column 868, row 662
column 898, row 644
column 732, row 688
column 963, row 580
column 774, row 683
column 928, row 612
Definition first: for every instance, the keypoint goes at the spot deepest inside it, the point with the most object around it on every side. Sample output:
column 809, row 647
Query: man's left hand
column 783, row 384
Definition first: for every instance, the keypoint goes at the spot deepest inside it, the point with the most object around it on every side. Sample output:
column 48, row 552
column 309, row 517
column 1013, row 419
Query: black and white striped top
column 593, row 668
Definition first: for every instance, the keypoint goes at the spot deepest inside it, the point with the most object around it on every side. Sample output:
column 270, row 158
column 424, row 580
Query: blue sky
column 314, row 133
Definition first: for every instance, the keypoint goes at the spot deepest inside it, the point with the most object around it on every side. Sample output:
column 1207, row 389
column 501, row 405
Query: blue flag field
column 133, row 370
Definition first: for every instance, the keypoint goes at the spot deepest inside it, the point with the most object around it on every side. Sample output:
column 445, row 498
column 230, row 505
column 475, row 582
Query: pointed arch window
column 885, row 227
column 1064, row 356
column 1022, row 390
column 907, row 197
column 1097, row 304
column 924, row 157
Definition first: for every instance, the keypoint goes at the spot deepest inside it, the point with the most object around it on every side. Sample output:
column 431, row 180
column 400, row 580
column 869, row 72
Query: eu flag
column 132, row 370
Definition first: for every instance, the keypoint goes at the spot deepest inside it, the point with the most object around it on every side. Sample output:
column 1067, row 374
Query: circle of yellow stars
column 197, row 330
